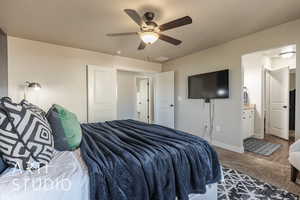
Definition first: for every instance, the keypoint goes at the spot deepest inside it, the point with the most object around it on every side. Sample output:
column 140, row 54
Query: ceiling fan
column 150, row 31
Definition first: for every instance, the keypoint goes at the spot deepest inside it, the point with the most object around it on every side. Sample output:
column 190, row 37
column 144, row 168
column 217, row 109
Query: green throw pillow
column 65, row 128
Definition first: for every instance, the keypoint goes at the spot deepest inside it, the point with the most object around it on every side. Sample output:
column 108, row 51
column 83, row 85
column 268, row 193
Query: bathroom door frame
column 150, row 96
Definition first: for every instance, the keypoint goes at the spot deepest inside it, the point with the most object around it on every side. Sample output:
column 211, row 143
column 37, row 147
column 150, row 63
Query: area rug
column 239, row 186
column 260, row 146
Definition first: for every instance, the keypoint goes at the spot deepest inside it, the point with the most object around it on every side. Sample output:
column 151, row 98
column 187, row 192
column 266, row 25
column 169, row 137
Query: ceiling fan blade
column 121, row 34
column 176, row 23
column 142, row 46
column 169, row 39
column 134, row 16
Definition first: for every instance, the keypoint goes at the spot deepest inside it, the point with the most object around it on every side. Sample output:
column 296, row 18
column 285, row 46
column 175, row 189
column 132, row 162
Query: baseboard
column 228, row 147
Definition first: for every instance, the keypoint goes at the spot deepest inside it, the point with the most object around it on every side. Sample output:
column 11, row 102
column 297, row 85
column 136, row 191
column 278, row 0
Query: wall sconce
column 31, row 85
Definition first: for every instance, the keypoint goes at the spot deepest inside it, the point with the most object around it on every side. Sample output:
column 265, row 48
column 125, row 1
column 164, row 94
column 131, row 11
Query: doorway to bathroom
column 268, row 112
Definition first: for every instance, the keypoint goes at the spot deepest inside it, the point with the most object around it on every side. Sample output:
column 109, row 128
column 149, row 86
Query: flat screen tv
column 214, row 85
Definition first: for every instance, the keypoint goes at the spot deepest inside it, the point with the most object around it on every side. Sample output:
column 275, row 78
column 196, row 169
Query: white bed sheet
column 211, row 193
column 66, row 178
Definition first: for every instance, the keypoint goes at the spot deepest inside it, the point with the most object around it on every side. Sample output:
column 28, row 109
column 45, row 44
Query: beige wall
column 3, row 64
column 61, row 71
column 190, row 114
column 126, row 95
column 292, row 81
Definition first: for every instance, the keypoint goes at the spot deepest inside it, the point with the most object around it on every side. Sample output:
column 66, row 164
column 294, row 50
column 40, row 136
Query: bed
column 75, row 175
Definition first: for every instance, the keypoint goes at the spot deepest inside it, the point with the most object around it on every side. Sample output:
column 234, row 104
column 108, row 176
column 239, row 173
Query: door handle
column 172, row 105
column 285, row 107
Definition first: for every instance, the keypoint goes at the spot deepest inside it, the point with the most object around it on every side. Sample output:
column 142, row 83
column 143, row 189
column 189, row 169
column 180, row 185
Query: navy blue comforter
column 131, row 160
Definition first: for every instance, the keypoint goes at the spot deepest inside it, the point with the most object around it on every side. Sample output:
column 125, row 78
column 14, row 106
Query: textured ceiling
column 84, row 23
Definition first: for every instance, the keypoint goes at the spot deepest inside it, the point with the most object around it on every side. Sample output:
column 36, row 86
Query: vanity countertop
column 249, row 107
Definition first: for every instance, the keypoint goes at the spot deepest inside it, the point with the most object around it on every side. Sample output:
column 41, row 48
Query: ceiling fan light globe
column 149, row 37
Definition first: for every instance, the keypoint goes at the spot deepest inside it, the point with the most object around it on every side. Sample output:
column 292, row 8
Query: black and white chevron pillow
column 26, row 139
column 34, row 108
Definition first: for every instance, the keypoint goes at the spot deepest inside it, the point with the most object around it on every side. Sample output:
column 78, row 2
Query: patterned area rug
column 239, row 186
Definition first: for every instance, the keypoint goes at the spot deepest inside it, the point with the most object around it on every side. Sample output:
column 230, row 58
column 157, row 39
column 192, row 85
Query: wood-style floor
column 274, row 169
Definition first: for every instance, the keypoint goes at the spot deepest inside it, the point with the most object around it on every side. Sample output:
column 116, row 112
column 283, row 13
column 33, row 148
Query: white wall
column 253, row 65
column 61, row 71
column 189, row 114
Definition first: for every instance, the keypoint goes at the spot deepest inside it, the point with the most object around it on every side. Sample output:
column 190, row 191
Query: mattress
column 66, row 177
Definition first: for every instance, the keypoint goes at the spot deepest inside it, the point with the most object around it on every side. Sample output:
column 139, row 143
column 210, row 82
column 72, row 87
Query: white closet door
column 164, row 99
column 102, row 93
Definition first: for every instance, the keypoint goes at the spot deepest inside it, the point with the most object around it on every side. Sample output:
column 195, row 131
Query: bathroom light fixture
column 31, row 85
column 287, row 54
column 149, row 37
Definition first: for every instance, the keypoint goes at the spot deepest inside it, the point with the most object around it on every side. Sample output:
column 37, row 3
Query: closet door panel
column 102, row 93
